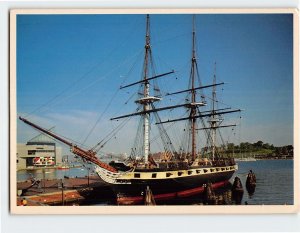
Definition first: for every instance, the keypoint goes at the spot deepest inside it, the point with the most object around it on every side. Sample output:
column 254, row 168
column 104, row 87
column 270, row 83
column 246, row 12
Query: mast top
column 147, row 45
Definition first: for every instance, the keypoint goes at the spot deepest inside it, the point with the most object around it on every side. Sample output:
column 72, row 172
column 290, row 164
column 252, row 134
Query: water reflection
column 228, row 195
column 231, row 194
column 51, row 173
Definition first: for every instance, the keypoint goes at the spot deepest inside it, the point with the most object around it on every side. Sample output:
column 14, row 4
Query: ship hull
column 166, row 189
column 130, row 186
column 135, row 199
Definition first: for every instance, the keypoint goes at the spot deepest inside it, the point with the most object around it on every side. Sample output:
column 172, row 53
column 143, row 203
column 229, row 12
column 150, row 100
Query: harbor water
column 275, row 181
column 52, row 173
column 274, row 184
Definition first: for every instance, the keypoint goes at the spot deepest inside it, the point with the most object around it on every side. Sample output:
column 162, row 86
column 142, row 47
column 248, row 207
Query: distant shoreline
column 290, row 158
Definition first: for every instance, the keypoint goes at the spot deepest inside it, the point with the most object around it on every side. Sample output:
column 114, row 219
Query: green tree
column 284, row 150
column 266, row 146
column 258, row 144
column 278, row 150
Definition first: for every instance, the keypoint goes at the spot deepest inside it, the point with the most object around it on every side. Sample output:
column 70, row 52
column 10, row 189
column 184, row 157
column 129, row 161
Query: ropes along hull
column 130, row 187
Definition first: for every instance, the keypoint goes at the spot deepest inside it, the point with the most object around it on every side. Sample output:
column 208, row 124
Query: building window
column 137, row 175
column 31, row 152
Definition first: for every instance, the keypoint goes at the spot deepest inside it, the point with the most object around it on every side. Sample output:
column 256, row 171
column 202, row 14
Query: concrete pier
column 67, row 191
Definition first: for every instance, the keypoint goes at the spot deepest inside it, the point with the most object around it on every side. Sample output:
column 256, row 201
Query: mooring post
column 209, row 196
column 149, row 199
column 237, row 191
column 251, row 183
column 62, row 192
column 88, row 176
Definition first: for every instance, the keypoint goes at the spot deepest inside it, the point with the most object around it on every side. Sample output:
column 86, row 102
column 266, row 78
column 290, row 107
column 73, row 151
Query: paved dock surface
column 61, row 192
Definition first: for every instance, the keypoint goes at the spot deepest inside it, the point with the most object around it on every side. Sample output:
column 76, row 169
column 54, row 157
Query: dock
column 67, row 191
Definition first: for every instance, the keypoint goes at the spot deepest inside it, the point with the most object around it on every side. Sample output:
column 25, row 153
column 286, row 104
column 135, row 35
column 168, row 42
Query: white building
column 40, row 151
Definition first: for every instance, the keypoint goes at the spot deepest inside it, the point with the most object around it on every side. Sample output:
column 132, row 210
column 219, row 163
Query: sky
column 70, row 68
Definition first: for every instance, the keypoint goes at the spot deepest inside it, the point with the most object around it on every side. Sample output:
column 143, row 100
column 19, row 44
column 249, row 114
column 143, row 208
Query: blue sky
column 69, row 68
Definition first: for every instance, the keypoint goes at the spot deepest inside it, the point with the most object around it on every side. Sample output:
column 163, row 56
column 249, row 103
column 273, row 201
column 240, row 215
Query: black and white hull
column 130, row 186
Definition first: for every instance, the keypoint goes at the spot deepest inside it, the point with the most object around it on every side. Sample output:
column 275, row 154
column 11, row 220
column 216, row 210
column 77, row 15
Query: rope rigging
column 110, row 135
column 100, row 117
column 168, row 146
column 111, row 100
column 136, row 150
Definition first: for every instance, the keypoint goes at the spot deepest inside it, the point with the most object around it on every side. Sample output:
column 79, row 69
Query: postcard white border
column 255, row 209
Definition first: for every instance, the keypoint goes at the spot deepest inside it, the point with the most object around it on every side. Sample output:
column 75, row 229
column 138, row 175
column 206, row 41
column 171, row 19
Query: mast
column 193, row 92
column 147, row 100
column 214, row 120
column 193, row 105
column 194, row 114
column 146, row 93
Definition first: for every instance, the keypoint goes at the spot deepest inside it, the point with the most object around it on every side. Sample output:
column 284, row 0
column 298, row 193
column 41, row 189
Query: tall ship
column 180, row 171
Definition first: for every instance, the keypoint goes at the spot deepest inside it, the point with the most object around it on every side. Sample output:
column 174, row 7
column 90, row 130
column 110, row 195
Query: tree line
column 260, row 148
